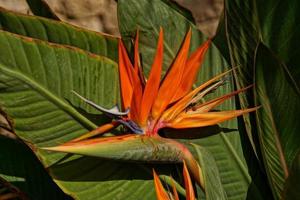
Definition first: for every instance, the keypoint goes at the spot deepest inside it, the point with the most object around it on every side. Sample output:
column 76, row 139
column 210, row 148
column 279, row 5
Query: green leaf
column 59, row 32
column 246, row 24
column 292, row 185
column 279, row 31
column 36, row 79
column 277, row 120
column 213, row 185
column 21, row 168
column 148, row 17
column 41, row 8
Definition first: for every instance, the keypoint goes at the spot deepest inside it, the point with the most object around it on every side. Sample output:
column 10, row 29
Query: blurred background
column 101, row 15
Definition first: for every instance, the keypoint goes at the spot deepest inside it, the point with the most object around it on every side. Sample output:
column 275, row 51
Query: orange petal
column 136, row 102
column 205, row 107
column 206, row 119
column 137, row 68
column 190, row 195
column 137, row 84
column 136, row 53
column 178, row 107
column 172, row 79
column 125, row 74
column 192, row 67
column 131, row 94
column 98, row 131
column 175, row 194
column 161, row 194
column 135, row 108
column 152, row 84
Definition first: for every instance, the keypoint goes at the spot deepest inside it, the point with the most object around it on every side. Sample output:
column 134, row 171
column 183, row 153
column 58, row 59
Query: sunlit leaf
column 59, row 32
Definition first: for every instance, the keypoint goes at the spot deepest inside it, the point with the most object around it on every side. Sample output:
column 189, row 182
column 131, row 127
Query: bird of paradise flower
column 153, row 104
column 162, row 194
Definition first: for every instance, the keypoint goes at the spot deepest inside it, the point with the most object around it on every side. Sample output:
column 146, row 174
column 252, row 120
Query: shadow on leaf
column 194, row 133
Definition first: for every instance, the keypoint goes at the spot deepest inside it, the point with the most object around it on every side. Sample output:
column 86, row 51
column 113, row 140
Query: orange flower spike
column 125, row 77
column 175, row 193
column 135, row 91
column 100, row 130
column 161, row 194
column 205, row 107
column 188, row 120
column 137, row 64
column 136, row 53
column 178, row 107
column 152, row 85
column 137, row 84
column 172, row 79
column 192, row 67
column 190, row 194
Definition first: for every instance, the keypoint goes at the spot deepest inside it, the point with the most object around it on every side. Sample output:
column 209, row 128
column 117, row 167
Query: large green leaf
column 148, row 17
column 280, row 31
column 245, row 25
column 275, row 90
column 20, row 167
column 59, row 32
column 36, row 79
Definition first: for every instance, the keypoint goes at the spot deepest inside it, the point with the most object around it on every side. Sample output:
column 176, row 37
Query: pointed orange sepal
column 175, row 193
column 161, row 194
column 136, row 53
column 125, row 74
column 172, row 79
column 152, row 85
column 178, row 107
column 137, row 84
column 131, row 86
column 192, row 67
column 189, row 120
column 137, row 61
column 136, row 101
column 190, row 194
column 98, row 131
column 205, row 107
